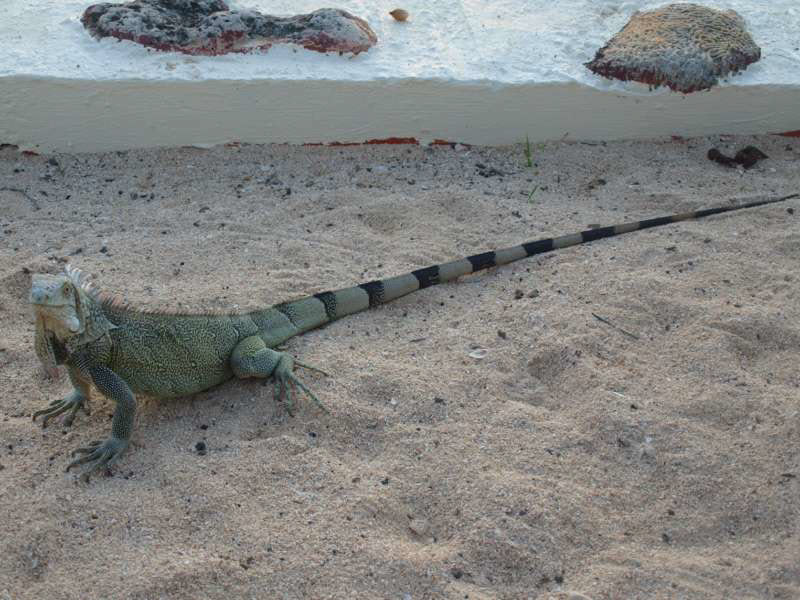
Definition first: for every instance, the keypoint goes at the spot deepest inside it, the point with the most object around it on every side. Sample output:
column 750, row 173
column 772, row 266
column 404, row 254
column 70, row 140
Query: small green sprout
column 528, row 152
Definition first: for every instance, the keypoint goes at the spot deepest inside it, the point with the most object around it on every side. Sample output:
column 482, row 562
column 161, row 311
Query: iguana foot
column 284, row 377
column 101, row 455
column 71, row 403
column 252, row 358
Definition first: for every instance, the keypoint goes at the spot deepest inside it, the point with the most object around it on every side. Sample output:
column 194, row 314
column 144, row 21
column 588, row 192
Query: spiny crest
column 81, row 280
column 118, row 302
column 78, row 278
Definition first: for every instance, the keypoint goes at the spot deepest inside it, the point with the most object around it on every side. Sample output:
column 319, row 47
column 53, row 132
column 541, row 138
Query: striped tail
column 314, row 311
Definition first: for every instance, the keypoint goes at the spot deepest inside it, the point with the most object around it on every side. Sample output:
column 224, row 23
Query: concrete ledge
column 81, row 116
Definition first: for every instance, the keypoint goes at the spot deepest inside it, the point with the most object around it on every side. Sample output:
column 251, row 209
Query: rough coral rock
column 210, row 27
column 683, row 46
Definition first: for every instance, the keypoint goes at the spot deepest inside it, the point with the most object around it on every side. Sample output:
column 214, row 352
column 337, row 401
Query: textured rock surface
column 683, row 46
column 209, row 27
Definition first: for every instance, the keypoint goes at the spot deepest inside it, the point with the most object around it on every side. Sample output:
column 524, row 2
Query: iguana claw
column 310, row 368
column 71, row 403
column 283, row 391
column 102, row 455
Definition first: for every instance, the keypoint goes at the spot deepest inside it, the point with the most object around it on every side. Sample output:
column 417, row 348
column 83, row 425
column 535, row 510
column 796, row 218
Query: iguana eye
column 66, row 289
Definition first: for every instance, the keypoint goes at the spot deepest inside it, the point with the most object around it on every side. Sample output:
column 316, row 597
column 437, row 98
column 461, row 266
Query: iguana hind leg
column 252, row 358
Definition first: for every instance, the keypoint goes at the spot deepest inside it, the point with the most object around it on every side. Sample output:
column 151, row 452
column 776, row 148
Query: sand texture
column 487, row 439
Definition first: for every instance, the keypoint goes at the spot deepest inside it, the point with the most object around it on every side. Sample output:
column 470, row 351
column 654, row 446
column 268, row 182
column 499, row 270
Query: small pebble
column 419, row 526
column 399, row 14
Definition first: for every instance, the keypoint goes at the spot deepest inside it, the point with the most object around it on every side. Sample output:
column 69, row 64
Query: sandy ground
column 655, row 458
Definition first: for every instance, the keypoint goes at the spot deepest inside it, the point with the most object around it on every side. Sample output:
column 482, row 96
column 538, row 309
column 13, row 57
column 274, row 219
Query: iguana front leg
column 79, row 398
column 102, row 455
column 252, row 358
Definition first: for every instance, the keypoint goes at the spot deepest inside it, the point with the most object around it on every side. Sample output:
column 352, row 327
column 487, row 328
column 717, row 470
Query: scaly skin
column 122, row 351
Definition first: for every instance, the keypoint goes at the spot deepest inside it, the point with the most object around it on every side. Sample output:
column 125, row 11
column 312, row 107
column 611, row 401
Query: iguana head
column 65, row 312
column 57, row 300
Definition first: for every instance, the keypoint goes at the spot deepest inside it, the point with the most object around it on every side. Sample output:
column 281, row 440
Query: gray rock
column 209, row 27
column 683, row 46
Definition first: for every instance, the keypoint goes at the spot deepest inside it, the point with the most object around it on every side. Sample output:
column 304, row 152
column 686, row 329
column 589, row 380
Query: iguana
column 122, row 350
